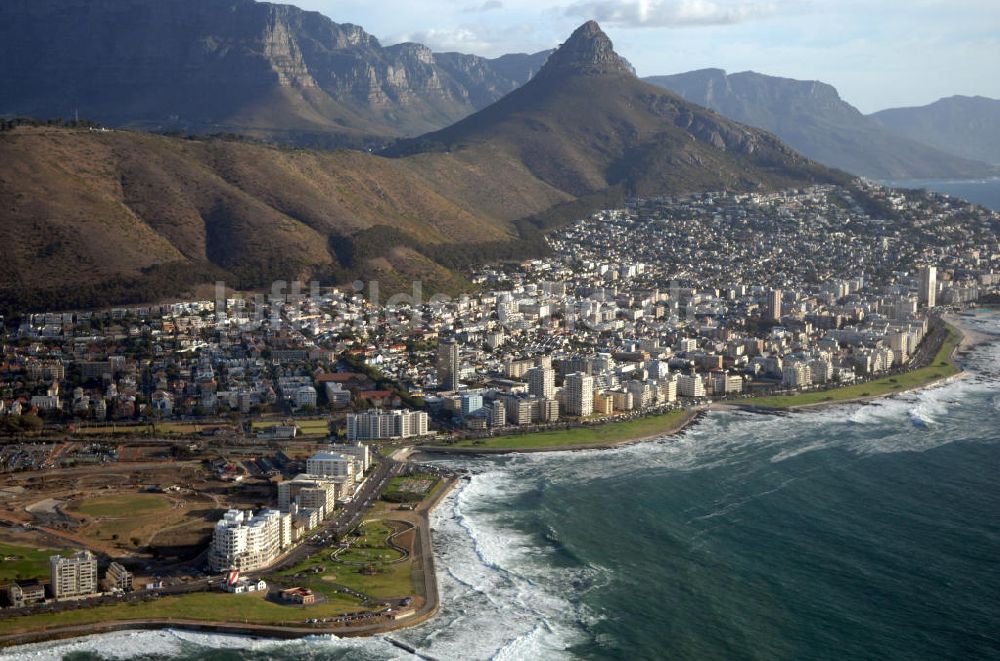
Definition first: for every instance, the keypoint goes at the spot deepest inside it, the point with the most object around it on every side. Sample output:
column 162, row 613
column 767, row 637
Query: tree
column 31, row 422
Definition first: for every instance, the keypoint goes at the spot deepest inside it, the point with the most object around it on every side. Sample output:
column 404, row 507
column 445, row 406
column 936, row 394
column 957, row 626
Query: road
column 347, row 517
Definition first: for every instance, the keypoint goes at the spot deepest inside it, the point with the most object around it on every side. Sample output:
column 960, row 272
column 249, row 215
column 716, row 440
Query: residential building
column 74, row 576
column 773, row 311
column 448, row 365
column 579, row 394
column 246, row 542
column 542, row 381
column 307, row 491
column 690, row 385
column 118, row 578
column 377, row 424
column 928, row 286
column 361, row 453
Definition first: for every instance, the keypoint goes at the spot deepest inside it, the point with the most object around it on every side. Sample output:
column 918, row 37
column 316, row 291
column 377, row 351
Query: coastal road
column 347, row 517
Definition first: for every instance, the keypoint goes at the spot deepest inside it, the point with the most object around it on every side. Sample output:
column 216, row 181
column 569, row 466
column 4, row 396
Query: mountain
column 97, row 218
column 586, row 125
column 103, row 217
column 965, row 125
column 208, row 66
column 811, row 117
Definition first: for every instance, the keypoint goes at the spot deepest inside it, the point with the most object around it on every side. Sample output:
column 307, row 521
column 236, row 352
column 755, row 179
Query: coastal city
column 249, row 439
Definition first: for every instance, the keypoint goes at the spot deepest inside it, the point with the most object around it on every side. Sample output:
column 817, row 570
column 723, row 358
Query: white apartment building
column 310, row 492
column 246, row 542
column 377, row 424
column 668, row 390
column 690, row 385
column 796, row 374
column 361, row 453
column 579, row 394
column 332, row 464
column 542, row 382
column 73, row 576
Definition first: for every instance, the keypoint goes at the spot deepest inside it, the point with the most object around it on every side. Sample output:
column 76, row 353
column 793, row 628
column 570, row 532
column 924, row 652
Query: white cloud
column 669, row 13
column 487, row 41
column 488, row 5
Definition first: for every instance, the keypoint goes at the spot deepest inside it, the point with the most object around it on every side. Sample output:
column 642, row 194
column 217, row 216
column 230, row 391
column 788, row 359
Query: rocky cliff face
column 588, row 51
column 811, row 117
column 234, row 65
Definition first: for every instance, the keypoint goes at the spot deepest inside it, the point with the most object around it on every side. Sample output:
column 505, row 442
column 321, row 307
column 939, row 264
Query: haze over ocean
column 980, row 191
column 860, row 531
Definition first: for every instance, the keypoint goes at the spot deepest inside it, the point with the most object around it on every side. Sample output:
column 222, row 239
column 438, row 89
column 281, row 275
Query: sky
column 877, row 53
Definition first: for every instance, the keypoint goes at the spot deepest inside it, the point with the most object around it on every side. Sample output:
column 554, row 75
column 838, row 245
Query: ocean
column 985, row 192
column 860, row 531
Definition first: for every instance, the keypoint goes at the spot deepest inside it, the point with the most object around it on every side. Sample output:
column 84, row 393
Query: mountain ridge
column 581, row 135
column 585, row 123
column 813, row 118
column 270, row 71
column 965, row 125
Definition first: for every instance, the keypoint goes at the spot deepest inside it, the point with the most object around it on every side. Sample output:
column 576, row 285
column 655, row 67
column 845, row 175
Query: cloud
column 488, row 5
column 463, row 40
column 669, row 13
column 484, row 40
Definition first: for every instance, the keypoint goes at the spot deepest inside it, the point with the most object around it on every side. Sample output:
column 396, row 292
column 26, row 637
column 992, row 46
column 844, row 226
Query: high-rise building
column 247, row 543
column 928, row 286
column 542, row 382
column 498, row 414
column 690, row 385
column 448, row 365
column 378, row 424
column 73, row 576
column 549, row 410
column 773, row 311
column 579, row 394
column 332, row 464
column 360, row 452
column 314, row 492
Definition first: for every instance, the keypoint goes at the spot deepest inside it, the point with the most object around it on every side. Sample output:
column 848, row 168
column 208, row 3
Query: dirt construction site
column 147, row 513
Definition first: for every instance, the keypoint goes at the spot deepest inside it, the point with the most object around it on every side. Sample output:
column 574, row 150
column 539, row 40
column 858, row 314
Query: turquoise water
column 983, row 191
column 862, row 531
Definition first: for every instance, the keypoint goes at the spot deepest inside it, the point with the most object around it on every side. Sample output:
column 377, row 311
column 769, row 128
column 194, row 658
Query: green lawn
column 392, row 579
column 319, row 427
column 209, row 606
column 410, row 488
column 939, row 368
column 602, row 434
column 138, row 504
column 25, row 562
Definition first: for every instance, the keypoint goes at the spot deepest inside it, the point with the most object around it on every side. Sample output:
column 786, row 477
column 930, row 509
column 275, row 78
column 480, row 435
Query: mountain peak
column 587, row 51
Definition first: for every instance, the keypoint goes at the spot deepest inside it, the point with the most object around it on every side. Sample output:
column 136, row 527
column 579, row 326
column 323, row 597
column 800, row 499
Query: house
column 22, row 593
column 298, row 595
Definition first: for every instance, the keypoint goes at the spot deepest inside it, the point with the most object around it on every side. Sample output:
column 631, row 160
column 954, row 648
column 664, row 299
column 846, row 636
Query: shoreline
column 420, row 519
column 423, row 564
column 691, row 417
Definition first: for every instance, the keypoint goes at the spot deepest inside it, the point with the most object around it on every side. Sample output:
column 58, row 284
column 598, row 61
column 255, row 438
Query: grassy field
column 323, row 574
column 25, row 562
column 208, row 606
column 129, row 520
column 604, row 434
column 939, row 368
column 319, row 427
column 122, row 506
column 411, row 488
